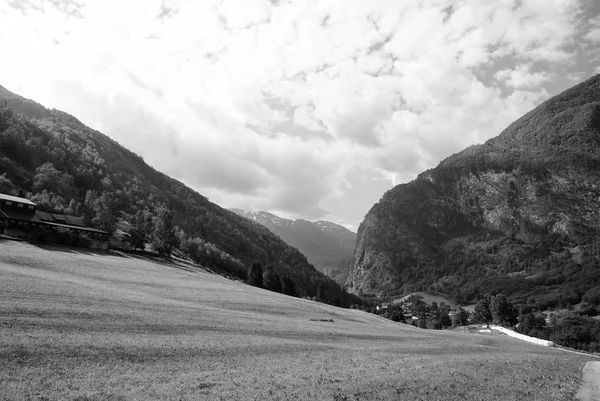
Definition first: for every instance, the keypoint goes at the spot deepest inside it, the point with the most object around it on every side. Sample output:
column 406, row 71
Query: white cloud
column 306, row 108
column 593, row 32
column 521, row 77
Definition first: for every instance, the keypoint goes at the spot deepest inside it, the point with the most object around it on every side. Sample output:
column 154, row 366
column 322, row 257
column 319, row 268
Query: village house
column 20, row 218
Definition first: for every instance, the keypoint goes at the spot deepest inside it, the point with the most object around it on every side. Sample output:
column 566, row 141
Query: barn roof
column 60, row 218
column 16, row 199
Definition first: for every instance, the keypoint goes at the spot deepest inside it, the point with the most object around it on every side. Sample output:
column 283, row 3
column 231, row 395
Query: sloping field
column 84, row 326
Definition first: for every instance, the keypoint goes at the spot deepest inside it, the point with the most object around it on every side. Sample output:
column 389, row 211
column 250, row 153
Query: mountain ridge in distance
column 328, row 246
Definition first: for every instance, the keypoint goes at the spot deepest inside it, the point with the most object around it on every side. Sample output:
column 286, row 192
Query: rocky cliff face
column 519, row 214
column 326, row 245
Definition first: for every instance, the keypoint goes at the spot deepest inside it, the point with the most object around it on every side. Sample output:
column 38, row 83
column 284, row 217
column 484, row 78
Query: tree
column 422, row 320
column 6, row 185
column 531, row 321
column 71, row 209
column 163, row 237
column 6, row 115
column 179, row 236
column 482, row 313
column 48, row 177
column 320, row 293
column 88, row 209
column 106, row 212
column 460, row 318
column 394, row 312
column 503, row 312
column 255, row 276
column 287, row 286
column 139, row 230
column 271, row 280
column 443, row 316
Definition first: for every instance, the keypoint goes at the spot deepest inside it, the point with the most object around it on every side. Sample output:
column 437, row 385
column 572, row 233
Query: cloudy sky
column 305, row 108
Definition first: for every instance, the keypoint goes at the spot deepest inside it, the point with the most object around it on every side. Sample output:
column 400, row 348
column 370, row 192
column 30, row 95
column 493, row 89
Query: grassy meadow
column 79, row 325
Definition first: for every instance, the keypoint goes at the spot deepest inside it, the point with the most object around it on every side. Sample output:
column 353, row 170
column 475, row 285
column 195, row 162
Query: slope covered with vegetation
column 518, row 215
column 64, row 166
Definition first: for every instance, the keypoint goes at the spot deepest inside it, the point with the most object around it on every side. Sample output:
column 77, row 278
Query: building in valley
column 20, row 218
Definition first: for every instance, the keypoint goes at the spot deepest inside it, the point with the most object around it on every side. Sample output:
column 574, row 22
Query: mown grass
column 76, row 325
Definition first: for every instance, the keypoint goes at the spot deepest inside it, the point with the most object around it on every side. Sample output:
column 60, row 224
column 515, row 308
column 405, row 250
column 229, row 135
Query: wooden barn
column 20, row 218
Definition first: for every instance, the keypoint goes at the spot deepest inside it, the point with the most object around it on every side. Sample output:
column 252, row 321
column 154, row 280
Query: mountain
column 65, row 166
column 326, row 245
column 519, row 214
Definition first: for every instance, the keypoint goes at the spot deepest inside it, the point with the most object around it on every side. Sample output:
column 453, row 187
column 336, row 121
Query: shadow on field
column 71, row 249
column 157, row 259
column 121, row 253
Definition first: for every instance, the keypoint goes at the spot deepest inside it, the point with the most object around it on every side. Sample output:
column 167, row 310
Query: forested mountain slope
column 326, row 245
column 519, row 214
column 58, row 162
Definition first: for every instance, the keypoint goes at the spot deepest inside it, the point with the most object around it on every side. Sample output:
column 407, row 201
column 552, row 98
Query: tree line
column 567, row 327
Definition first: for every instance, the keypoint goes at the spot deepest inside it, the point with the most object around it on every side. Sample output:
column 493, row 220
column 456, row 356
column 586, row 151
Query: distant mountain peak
column 326, row 245
column 262, row 215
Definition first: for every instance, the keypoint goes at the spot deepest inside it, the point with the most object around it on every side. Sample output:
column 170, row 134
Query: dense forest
column 63, row 166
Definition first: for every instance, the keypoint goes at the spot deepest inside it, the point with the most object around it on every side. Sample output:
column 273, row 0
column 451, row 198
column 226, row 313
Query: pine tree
column 320, row 293
column 271, row 280
column 255, row 276
column 422, row 320
column 287, row 286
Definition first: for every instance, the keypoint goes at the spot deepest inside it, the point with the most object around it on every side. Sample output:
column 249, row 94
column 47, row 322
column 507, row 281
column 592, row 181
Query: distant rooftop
column 16, row 199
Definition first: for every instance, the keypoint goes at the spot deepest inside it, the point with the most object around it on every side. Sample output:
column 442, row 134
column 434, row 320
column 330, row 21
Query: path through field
column 78, row 325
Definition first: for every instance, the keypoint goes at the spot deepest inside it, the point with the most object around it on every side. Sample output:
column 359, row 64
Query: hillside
column 60, row 164
column 85, row 326
column 326, row 245
column 428, row 299
column 519, row 214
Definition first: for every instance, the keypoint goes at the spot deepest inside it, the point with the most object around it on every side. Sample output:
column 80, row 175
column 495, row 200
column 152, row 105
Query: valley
column 281, row 200
column 326, row 245
column 80, row 325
